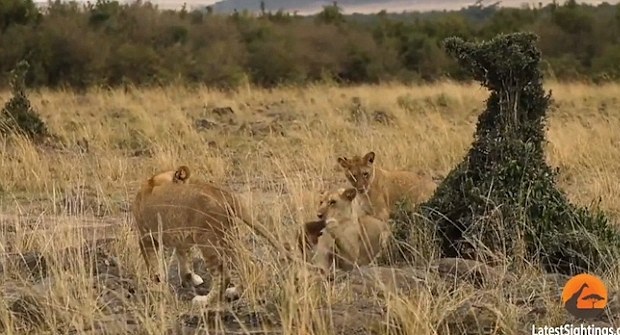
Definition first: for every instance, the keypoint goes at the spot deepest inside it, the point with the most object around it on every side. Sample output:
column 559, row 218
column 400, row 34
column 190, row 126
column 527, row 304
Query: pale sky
column 391, row 6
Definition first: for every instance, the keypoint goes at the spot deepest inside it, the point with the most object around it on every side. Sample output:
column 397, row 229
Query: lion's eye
column 332, row 202
column 366, row 174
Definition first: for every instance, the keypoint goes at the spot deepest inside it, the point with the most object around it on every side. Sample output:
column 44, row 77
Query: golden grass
column 65, row 197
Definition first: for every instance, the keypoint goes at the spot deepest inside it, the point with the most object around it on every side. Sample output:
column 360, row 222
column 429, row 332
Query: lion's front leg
column 323, row 252
column 385, row 237
column 346, row 241
column 383, row 214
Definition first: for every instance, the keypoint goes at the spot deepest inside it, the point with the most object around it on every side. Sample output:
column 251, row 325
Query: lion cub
column 349, row 239
column 188, row 214
column 179, row 176
column 380, row 189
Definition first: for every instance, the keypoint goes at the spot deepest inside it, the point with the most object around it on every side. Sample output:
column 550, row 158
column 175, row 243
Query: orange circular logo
column 584, row 296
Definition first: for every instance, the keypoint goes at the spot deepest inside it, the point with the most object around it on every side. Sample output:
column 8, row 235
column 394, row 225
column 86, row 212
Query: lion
column 179, row 176
column 308, row 234
column 197, row 213
column 348, row 239
column 380, row 189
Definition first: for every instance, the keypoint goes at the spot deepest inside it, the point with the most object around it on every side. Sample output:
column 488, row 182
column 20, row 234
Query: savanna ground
column 278, row 148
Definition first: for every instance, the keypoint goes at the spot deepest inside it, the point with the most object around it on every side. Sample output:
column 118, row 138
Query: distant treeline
column 107, row 43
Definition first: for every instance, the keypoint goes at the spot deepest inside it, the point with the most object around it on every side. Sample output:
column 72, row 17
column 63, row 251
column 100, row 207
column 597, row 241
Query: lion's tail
column 244, row 215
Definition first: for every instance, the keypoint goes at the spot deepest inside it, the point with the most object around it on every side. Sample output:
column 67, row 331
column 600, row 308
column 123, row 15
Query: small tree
column 502, row 199
column 331, row 14
column 263, row 10
column 18, row 116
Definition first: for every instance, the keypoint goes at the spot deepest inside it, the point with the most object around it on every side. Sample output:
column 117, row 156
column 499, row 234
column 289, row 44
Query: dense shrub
column 17, row 117
column 112, row 43
column 502, row 199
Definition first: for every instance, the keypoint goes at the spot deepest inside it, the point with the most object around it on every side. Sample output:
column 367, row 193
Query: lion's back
column 184, row 206
column 409, row 184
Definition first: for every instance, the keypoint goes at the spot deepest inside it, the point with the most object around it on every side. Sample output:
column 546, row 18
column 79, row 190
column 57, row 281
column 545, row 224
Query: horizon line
column 422, row 8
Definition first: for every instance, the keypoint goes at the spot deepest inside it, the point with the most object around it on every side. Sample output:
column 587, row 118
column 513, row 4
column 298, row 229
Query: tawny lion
column 179, row 176
column 310, row 231
column 197, row 213
column 349, row 239
column 379, row 189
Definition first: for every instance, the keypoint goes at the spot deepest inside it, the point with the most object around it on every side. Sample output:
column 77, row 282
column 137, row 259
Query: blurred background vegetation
column 107, row 43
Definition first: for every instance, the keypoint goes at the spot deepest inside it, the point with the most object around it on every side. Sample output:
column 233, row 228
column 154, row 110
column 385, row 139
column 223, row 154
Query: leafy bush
column 502, row 200
column 17, row 115
column 106, row 42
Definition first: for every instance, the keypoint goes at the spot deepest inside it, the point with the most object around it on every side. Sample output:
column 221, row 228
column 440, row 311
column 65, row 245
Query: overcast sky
column 394, row 5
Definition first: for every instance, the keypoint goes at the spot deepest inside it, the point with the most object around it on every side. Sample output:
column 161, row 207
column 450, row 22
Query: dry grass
column 54, row 199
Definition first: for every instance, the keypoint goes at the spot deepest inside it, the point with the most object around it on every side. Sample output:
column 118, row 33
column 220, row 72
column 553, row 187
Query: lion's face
column 336, row 204
column 359, row 171
column 163, row 178
column 179, row 176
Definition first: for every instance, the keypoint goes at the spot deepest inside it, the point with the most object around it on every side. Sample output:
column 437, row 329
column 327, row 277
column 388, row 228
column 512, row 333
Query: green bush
column 108, row 43
column 502, row 199
column 18, row 116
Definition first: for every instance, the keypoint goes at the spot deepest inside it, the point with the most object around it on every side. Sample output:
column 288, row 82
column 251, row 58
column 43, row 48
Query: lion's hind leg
column 188, row 277
column 220, row 279
column 148, row 248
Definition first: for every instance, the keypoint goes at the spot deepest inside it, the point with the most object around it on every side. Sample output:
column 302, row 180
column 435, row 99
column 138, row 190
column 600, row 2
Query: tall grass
column 54, row 199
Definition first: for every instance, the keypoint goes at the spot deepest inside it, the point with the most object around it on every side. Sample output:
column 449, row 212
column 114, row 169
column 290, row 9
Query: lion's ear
column 369, row 158
column 182, row 174
column 343, row 161
column 349, row 194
